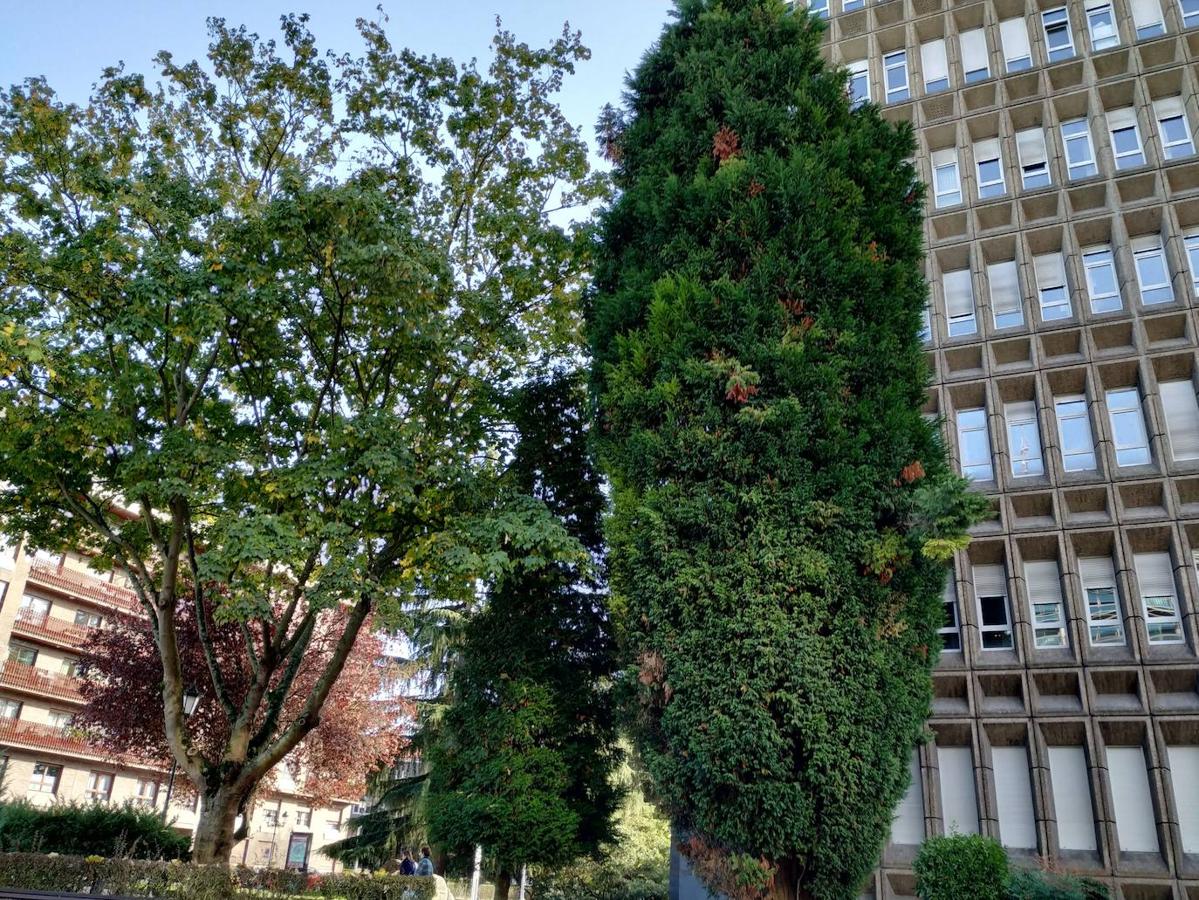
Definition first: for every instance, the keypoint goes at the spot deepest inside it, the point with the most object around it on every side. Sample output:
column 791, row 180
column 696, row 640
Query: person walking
column 425, row 867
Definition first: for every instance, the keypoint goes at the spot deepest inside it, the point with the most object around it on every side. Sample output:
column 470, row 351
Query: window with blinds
column 1153, row 276
column 1173, row 126
column 1128, row 427
column 959, row 801
column 1054, row 297
column 994, row 620
column 950, row 631
column 947, row 183
column 1103, row 287
column 1059, row 42
column 1101, row 26
column 1034, row 156
column 1013, row 34
column 1074, row 433
column 1159, row 600
column 1184, row 775
column 1190, row 13
column 1080, row 152
column 1182, row 417
column 859, row 82
column 1007, row 310
column 1132, row 802
column 1013, row 795
column 895, row 76
column 974, row 444
column 1147, row 18
column 1046, row 604
column 907, row 825
column 989, row 163
column 959, row 302
column 1126, row 138
column 1024, row 439
column 1071, row 785
column 974, row 55
column 1191, row 245
column 935, row 65
column 1105, row 621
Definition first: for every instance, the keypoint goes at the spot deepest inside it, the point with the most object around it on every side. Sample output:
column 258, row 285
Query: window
column 1017, row 55
column 951, row 633
column 1080, row 152
column 1190, row 13
column 38, row 606
column 1147, row 18
column 1128, row 427
column 947, row 186
column 1152, row 275
column 819, row 8
column 1072, row 798
column 1132, row 803
column 1058, row 40
column 1155, row 575
column 1101, row 23
column 10, row 709
column 907, row 825
column 1051, row 287
column 851, row 5
column 1074, row 432
column 1006, row 308
column 304, row 818
column 1013, row 797
column 935, row 65
column 99, row 786
column 995, row 625
column 1104, row 622
column 19, row 653
column 959, row 302
column 1024, row 439
column 1103, row 288
column 1184, row 773
column 990, row 169
column 1192, row 248
column 1046, row 604
column 70, row 668
column 1182, row 418
column 1126, row 138
column 959, row 801
column 974, row 55
column 975, row 443
column 45, row 778
column 926, row 325
column 147, row 792
column 1034, row 158
column 61, row 720
column 1173, row 126
column 270, row 818
column 859, row 82
column 87, row 619
column 895, row 75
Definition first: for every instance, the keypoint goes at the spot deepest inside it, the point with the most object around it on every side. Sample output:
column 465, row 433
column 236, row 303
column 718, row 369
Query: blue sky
column 70, row 41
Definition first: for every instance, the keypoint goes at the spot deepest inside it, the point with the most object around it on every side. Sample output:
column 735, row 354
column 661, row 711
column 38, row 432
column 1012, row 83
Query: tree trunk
column 214, row 833
column 786, row 883
column 503, row 884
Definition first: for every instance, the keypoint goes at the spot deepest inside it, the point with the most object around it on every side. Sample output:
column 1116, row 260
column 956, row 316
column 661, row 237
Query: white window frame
column 819, row 8
column 989, row 592
column 1147, row 250
column 1190, row 12
column 987, row 152
column 945, row 161
column 1130, row 439
column 976, row 60
column 99, row 786
column 1180, row 410
column 859, row 69
column 1105, row 42
column 1122, row 122
column 1060, row 24
column 1191, row 245
column 952, row 627
column 959, row 320
column 897, row 60
column 1069, row 408
column 146, row 792
column 10, row 709
column 1050, row 271
column 1147, row 19
column 1168, row 112
column 1007, row 303
column 1017, row 52
column 1159, row 597
column 934, row 66
column 1034, row 158
column 1094, row 260
column 1025, row 454
column 1047, row 612
column 1098, row 577
column 1079, row 133
column 980, row 470
column 852, row 5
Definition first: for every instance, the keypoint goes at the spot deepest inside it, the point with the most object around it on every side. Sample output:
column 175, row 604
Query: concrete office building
column 48, row 605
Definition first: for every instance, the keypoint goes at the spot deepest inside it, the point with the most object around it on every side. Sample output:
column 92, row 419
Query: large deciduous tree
column 783, row 512
column 251, row 352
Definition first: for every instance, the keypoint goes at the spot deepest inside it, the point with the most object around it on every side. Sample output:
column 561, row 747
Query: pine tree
column 783, row 511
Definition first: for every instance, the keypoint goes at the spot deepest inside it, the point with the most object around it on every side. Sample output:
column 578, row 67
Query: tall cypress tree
column 783, row 512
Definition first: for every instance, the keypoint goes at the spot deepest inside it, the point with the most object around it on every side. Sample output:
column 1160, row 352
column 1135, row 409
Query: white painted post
column 477, row 874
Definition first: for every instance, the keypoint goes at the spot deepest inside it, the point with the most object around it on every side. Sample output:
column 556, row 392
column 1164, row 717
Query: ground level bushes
column 961, row 865
column 1051, row 886
column 83, row 830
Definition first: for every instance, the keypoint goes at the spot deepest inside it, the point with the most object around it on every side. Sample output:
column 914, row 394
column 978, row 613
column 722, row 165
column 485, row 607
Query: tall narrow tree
column 783, row 511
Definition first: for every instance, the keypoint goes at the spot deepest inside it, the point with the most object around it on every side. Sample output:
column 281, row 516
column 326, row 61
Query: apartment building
column 48, row 606
column 1058, row 141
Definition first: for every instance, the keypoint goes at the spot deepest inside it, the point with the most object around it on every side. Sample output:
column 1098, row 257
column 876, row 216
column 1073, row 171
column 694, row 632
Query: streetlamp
column 190, row 701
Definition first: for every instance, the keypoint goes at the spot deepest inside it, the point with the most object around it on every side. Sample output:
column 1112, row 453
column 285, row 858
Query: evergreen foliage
column 89, row 829
column 783, row 512
column 961, row 865
column 522, row 759
column 1030, row 885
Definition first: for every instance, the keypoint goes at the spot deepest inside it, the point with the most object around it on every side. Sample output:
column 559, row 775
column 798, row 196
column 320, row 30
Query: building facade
column 1058, row 142
column 48, row 606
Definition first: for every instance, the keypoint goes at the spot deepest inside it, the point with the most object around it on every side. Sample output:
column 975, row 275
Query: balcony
column 76, row 584
column 44, row 627
column 43, row 737
column 20, row 677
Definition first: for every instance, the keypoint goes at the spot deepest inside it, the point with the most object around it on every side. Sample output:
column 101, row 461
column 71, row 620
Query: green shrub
column 367, row 887
column 137, row 878
column 959, row 866
column 1026, row 885
column 87, row 829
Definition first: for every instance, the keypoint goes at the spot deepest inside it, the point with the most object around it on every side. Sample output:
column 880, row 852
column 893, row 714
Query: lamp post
column 280, row 816
column 190, row 700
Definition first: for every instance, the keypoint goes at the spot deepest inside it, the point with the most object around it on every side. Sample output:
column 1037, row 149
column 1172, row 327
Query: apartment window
column 951, row 633
column 995, row 625
column 147, row 792
column 1101, row 23
column 1104, row 621
column 959, row 802
column 45, row 778
column 1126, row 138
column 1074, row 432
column 1051, row 287
column 1147, row 18
column 1072, row 798
column 61, row 720
column 975, row 443
column 87, row 619
column 1103, row 288
column 38, row 606
column 1155, row 575
column 1128, row 427
column 959, row 302
column 974, row 55
column 926, row 325
column 1184, row 773
column 1190, row 13
column 895, row 76
column 1132, row 802
column 1192, row 247
column 1058, row 39
column 99, row 786
column 819, row 8
column 1017, row 55
column 10, row 709
column 19, row 653
column 935, row 64
column 1174, row 128
column 859, row 82
column 1006, row 308
column 304, row 818
column 1013, row 797
column 907, row 825
column 1080, row 152
column 1024, row 439
column 1034, row 158
column 989, row 163
column 851, row 5
column 1182, row 418
column 947, row 185
column 1046, row 603
column 270, row 818
column 70, row 668
column 1152, row 275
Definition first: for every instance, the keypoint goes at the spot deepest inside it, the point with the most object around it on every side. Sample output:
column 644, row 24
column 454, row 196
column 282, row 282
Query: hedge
column 959, row 866
column 146, row 878
column 89, row 829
